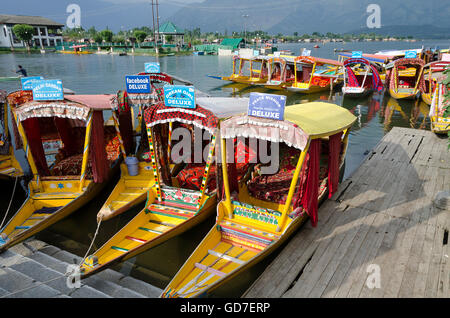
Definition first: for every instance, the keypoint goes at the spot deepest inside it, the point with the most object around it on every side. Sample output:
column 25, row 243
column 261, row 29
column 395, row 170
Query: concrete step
column 41, row 262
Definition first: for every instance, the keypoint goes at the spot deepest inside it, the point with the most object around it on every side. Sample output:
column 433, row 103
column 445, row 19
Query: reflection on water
column 92, row 74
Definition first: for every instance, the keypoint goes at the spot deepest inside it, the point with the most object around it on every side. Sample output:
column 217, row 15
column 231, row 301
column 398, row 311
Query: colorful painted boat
column 249, row 71
column 132, row 190
column 182, row 196
column 439, row 123
column 360, row 78
column 66, row 180
column 258, row 215
column 405, row 78
column 281, row 73
column 9, row 166
column 433, row 73
column 77, row 49
column 313, row 74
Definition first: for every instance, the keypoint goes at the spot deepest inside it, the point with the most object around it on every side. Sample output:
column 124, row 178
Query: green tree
column 107, row 35
column 24, row 32
column 98, row 38
column 140, row 36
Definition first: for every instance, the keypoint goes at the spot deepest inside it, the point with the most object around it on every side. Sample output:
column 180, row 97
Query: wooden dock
column 380, row 235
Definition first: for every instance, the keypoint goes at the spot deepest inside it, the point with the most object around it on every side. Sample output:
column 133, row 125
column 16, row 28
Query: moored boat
column 250, row 71
column 9, row 166
column 360, row 78
column 313, row 74
column 185, row 188
column 440, row 124
column 281, row 73
column 64, row 141
column 257, row 215
column 405, row 78
column 433, row 72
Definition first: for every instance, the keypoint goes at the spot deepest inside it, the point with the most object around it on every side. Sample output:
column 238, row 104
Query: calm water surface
column 97, row 74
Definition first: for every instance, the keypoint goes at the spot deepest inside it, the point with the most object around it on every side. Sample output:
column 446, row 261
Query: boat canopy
column 72, row 107
column 377, row 84
column 318, row 60
column 371, row 57
column 206, row 115
column 301, row 123
column 406, row 61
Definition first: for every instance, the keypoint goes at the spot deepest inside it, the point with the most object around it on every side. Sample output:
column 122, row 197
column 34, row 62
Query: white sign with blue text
column 357, row 54
column 267, row 106
column 306, row 52
column 152, row 67
column 179, row 96
column 27, row 82
column 48, row 90
column 138, row 84
column 410, row 54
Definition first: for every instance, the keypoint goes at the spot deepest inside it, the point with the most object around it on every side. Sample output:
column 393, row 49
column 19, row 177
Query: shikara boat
column 439, row 123
column 360, row 78
column 77, row 49
column 281, row 73
column 433, row 72
column 131, row 190
column 405, row 78
column 185, row 189
column 263, row 210
column 9, row 166
column 313, row 74
column 378, row 60
column 64, row 180
column 250, row 71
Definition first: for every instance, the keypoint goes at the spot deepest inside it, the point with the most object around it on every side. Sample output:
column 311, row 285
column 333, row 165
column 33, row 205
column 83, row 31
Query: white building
column 46, row 31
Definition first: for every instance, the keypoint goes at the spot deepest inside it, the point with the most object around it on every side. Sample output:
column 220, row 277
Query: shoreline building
column 46, row 32
column 169, row 29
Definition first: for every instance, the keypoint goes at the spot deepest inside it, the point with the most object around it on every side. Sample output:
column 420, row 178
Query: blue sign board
column 306, row 52
column 410, row 54
column 27, row 82
column 48, row 90
column 152, row 67
column 138, row 84
column 179, row 96
column 267, row 106
column 357, row 54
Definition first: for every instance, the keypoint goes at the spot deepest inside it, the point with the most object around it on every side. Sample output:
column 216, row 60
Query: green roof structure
column 235, row 43
column 170, row 28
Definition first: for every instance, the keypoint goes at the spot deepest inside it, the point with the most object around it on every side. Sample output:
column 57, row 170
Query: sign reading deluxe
column 179, row 96
column 267, row 106
column 137, row 84
column 48, row 90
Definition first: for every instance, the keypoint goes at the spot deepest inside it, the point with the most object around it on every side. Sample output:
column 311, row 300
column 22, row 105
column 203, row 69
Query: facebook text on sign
column 137, row 84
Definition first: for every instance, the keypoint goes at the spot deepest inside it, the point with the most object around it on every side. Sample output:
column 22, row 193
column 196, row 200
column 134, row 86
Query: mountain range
column 282, row 16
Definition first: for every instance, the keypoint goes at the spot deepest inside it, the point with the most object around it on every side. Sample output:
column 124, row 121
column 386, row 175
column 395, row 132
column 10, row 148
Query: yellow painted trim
column 87, row 140
column 225, row 179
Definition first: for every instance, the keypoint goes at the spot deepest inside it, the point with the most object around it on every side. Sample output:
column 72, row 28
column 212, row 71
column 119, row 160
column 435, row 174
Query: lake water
column 98, row 74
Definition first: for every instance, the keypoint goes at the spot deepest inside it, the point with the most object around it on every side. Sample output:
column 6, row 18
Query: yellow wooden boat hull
column 245, row 80
column 307, row 89
column 406, row 93
column 9, row 167
column 230, row 265
column 56, row 194
column 146, row 230
column 426, row 98
column 129, row 191
column 440, row 125
column 73, row 52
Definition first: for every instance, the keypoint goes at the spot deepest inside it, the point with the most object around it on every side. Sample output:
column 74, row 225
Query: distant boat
column 316, row 46
column 9, row 78
column 199, row 53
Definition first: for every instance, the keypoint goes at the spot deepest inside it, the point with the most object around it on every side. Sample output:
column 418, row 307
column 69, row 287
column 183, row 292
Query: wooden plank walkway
column 382, row 220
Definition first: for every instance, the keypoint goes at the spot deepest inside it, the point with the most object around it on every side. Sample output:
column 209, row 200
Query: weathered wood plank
column 385, row 217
